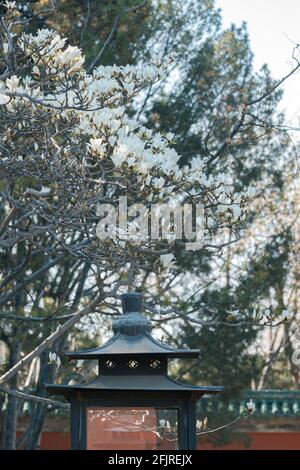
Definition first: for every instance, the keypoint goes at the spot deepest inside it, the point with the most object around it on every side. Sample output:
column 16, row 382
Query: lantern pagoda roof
column 132, row 335
column 132, row 360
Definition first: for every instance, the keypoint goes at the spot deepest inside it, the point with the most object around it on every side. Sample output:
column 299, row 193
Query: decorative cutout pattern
column 110, row 364
column 133, row 364
column 155, row 363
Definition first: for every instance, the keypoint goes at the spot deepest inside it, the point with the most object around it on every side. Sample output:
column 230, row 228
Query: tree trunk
column 11, row 412
column 47, row 375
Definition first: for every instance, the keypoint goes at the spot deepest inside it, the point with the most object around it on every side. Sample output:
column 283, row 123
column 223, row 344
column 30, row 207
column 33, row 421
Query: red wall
column 259, row 441
column 264, row 441
column 53, row 440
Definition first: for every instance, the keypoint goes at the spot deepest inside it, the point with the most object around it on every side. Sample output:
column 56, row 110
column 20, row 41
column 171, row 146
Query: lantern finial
column 132, row 322
column 132, row 302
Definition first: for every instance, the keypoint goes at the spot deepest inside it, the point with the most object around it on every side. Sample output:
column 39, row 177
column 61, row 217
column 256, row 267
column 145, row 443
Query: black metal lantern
column 133, row 403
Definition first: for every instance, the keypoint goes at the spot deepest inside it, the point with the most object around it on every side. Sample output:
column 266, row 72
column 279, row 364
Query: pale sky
column 273, row 26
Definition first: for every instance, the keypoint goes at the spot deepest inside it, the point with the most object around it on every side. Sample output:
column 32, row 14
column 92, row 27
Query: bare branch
column 106, row 43
column 48, row 341
column 27, row 397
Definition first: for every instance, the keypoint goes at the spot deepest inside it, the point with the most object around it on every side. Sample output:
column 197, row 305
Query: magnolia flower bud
column 285, row 315
column 52, row 357
column 250, row 406
column 199, row 424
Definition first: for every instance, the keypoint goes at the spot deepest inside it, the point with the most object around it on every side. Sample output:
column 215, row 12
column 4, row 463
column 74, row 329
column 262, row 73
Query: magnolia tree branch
column 48, row 341
column 8, row 316
column 210, row 431
column 28, row 397
column 29, row 279
column 7, row 220
column 106, row 43
column 277, row 85
column 176, row 313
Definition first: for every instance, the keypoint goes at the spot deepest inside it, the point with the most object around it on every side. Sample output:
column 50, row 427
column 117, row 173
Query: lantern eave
column 125, row 345
column 160, row 383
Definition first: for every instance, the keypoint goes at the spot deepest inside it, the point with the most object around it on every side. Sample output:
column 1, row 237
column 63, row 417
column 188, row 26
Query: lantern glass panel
column 135, row 428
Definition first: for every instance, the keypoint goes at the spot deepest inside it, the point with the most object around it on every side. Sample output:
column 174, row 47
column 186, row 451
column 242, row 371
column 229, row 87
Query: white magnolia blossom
column 102, row 95
column 54, row 359
column 233, row 314
column 250, row 405
column 236, row 210
column 10, row 5
column 97, row 147
column 158, row 182
column 198, row 424
column 3, row 99
column 201, row 425
column 84, row 127
column 12, row 83
column 167, row 260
